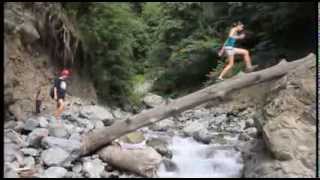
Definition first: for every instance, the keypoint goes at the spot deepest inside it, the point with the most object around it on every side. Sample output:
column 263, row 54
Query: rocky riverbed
column 39, row 147
column 269, row 128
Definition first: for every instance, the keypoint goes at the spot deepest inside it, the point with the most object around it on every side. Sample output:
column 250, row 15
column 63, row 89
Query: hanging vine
column 61, row 37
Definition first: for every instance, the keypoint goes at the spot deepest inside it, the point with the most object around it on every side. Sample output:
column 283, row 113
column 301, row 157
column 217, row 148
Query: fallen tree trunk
column 101, row 137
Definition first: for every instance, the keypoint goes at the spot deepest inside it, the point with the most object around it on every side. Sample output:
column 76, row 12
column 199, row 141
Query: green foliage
column 115, row 39
column 190, row 46
column 267, row 27
column 176, row 43
column 136, row 95
column 182, row 49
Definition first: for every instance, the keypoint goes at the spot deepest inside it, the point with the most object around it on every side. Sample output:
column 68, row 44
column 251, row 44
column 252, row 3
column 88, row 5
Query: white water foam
column 199, row 160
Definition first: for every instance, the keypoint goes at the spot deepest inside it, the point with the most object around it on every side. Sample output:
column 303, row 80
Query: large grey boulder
column 29, row 32
column 43, row 122
column 30, row 151
column 119, row 114
column 31, row 124
column 72, row 146
column 20, row 126
column 10, row 124
column 169, row 165
column 153, row 100
column 9, row 171
column 58, row 131
column 291, row 126
column 288, row 127
column 249, row 123
column 244, row 137
column 75, row 136
column 77, row 167
column 161, row 146
column 93, row 168
column 55, row 172
column 203, row 136
column 14, row 137
column 98, row 124
column 35, row 137
column 55, row 157
column 69, row 174
column 29, row 162
column 11, row 152
column 252, row 132
column 195, row 126
column 95, row 113
column 70, row 116
column 163, row 125
column 11, row 174
column 70, row 128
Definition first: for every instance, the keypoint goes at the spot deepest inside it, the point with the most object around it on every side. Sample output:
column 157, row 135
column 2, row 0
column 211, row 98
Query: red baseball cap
column 65, row 72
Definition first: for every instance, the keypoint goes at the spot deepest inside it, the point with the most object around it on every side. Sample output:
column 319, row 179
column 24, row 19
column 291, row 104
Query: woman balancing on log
column 229, row 49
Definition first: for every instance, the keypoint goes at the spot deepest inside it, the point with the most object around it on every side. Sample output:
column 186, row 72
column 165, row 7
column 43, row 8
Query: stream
column 194, row 159
column 198, row 160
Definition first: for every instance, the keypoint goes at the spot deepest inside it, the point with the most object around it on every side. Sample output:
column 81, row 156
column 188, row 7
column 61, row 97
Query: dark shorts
column 61, row 94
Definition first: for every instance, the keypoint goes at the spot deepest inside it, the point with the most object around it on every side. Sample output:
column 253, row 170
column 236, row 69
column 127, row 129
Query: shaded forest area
column 176, row 44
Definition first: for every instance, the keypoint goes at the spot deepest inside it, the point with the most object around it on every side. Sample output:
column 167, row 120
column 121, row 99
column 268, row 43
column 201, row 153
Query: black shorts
column 61, row 94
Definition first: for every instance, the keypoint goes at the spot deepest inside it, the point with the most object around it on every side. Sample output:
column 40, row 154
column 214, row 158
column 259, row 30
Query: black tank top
column 61, row 86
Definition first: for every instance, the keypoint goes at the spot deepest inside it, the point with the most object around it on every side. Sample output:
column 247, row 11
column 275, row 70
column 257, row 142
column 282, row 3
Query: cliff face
column 286, row 119
column 29, row 65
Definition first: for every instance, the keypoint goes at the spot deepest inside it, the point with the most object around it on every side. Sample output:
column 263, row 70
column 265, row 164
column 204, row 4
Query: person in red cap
column 59, row 92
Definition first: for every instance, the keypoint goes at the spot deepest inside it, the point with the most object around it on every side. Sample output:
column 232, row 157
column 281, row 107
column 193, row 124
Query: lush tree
column 176, row 43
column 113, row 45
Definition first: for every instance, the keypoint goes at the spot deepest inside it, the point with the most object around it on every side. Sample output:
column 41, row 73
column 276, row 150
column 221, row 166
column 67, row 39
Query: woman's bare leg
column 246, row 55
column 227, row 67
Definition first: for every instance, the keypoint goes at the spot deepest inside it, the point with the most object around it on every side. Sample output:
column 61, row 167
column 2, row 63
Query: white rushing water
column 199, row 160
